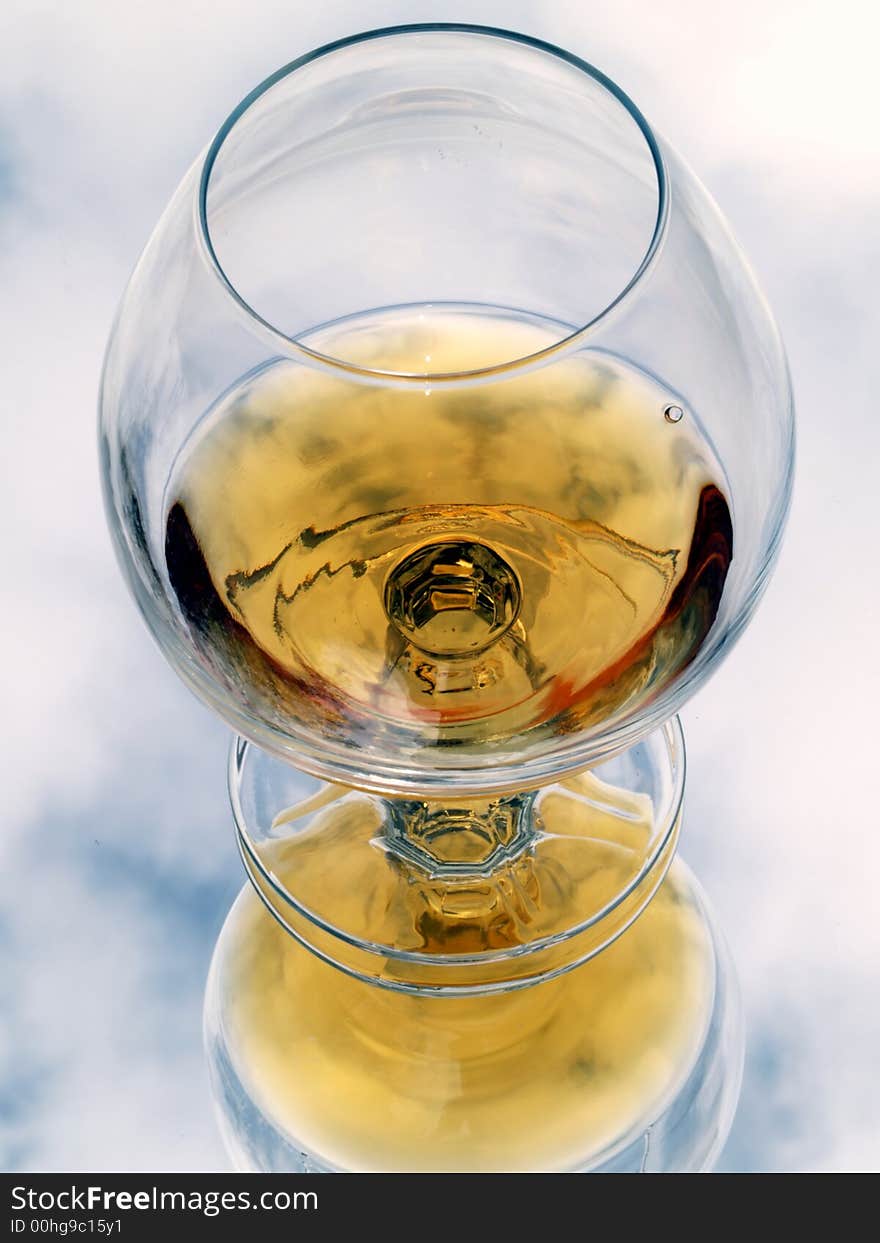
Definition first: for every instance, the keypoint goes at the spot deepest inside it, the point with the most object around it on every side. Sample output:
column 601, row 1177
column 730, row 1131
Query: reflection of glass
column 447, row 445
column 631, row 1061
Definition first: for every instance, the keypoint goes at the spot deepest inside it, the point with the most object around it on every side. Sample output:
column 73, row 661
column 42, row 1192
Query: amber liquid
column 454, row 564
column 413, row 564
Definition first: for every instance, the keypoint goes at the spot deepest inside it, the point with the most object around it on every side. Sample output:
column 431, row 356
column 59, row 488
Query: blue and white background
column 116, row 848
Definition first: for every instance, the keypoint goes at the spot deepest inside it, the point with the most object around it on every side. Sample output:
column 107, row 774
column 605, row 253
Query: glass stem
column 460, row 836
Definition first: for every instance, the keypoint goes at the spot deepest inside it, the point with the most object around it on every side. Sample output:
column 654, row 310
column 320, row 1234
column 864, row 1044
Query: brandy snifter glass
column 447, row 445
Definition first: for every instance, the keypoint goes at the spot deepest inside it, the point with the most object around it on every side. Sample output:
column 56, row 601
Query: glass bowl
column 463, row 175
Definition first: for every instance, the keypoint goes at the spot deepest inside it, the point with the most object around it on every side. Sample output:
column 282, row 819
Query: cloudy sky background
column 117, row 855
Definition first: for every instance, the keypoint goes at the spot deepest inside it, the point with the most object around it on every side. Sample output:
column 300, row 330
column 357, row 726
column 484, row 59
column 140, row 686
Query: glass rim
column 572, row 341
column 659, row 856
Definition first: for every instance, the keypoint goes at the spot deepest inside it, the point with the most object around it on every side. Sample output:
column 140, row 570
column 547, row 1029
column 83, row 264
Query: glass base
column 295, row 1096
column 530, row 983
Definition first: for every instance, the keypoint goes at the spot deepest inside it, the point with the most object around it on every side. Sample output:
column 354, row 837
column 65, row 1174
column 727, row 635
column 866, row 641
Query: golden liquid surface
column 543, row 1078
column 407, row 565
